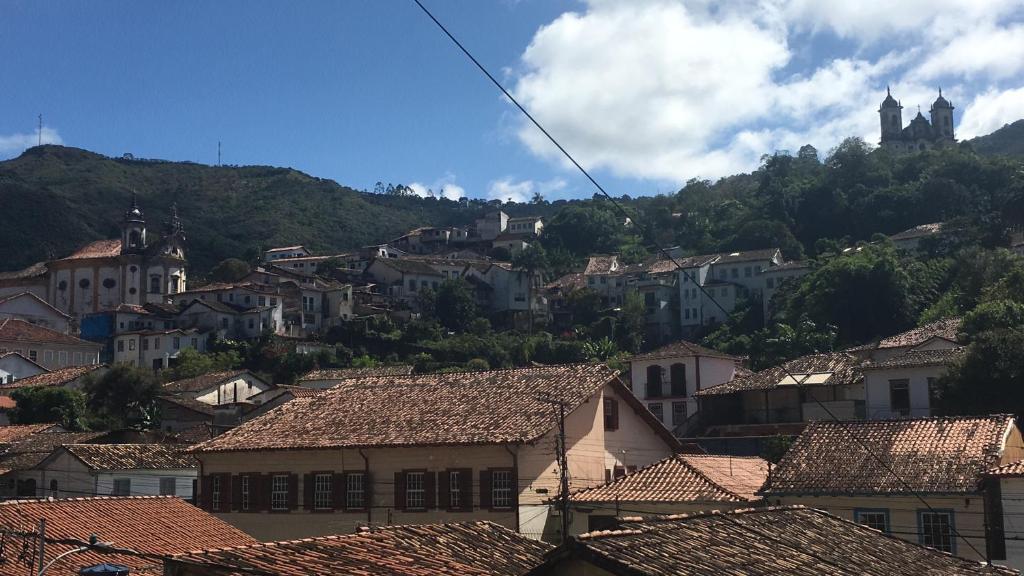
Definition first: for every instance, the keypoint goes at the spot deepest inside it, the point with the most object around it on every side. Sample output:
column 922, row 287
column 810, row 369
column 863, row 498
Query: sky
column 647, row 94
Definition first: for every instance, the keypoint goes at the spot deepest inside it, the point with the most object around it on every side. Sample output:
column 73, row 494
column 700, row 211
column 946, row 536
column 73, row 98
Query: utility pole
column 40, row 130
column 561, row 454
column 42, row 545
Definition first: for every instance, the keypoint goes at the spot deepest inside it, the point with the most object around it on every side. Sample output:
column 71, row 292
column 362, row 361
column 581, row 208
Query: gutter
column 366, row 476
column 515, row 477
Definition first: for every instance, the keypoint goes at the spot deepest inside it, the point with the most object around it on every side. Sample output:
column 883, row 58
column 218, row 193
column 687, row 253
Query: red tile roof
column 1013, row 469
column 132, row 456
column 9, row 434
column 795, row 541
column 97, row 249
column 464, row 548
column 7, row 403
column 946, row 328
column 499, row 406
column 918, row 358
column 830, row 369
column 931, row 455
column 686, row 478
column 17, row 330
column 59, row 377
column 203, row 381
column 29, row 451
column 681, row 348
column 346, row 373
column 155, row 525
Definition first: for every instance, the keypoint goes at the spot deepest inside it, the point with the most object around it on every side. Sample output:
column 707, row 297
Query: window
column 355, row 490
column 248, row 299
column 224, row 322
column 934, row 393
column 252, row 323
column 678, row 413
column 611, row 414
column 735, row 272
column 873, row 518
column 899, row 397
column 120, row 345
column 245, row 487
column 936, row 530
column 604, row 280
column 78, row 358
column 770, row 282
column 131, row 345
column 686, row 313
column 590, row 280
column 168, row 486
column 657, row 410
column 677, row 377
column 176, row 342
column 415, row 492
column 322, row 491
column 654, row 381
column 53, row 488
column 501, row 488
column 454, row 489
column 273, row 301
column 145, row 343
column 747, row 272
column 48, row 356
column 154, row 284
column 33, row 355
column 156, row 343
column 278, row 492
column 412, row 285
column 122, row 487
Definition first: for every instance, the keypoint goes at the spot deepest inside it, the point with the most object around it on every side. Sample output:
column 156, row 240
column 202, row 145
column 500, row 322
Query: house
column 18, row 474
column 403, row 279
column 331, row 377
column 491, row 225
column 224, row 387
column 937, row 335
column 156, row 349
column 781, row 540
column 285, row 252
column 181, row 413
column 48, row 348
column 14, row 366
column 426, row 448
column 877, row 473
column 463, row 548
column 666, row 379
column 711, row 285
column 905, row 385
column 234, row 311
column 153, row 527
column 33, row 309
column 909, row 240
column 528, row 225
column 269, row 399
column 71, row 377
column 74, row 470
column 1006, row 486
column 682, row 483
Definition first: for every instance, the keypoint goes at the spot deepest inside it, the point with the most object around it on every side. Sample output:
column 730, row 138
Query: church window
column 109, row 283
column 134, row 239
column 83, row 283
column 132, row 290
column 62, row 285
column 133, row 269
column 154, row 284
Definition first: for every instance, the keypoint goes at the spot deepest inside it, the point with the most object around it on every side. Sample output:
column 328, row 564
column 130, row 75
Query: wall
column 713, row 371
column 53, row 356
column 15, row 367
column 33, row 311
column 234, row 390
column 1013, row 521
column 876, row 385
column 75, row 480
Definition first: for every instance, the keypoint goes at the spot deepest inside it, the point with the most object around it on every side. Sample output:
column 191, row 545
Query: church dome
column 889, row 101
column 941, row 102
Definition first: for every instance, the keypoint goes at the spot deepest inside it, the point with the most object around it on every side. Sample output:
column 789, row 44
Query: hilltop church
column 919, row 134
column 104, row 274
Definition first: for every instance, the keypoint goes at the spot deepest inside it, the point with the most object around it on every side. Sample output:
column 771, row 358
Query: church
column 105, row 274
column 920, row 134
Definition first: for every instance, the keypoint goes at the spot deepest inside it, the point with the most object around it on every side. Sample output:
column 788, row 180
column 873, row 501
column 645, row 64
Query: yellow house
column 383, row 450
column 930, row 489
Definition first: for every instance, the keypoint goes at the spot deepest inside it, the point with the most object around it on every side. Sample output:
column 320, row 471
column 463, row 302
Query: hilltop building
column 920, row 134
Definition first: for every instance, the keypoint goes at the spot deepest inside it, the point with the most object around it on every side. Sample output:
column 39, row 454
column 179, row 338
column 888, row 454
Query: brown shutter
column 466, row 488
column 367, row 490
column 265, row 482
column 400, row 490
column 430, row 490
column 444, row 490
column 613, row 413
column 293, row 491
column 236, row 492
column 339, row 491
column 485, row 490
column 515, row 489
column 308, row 481
column 228, row 495
column 206, row 493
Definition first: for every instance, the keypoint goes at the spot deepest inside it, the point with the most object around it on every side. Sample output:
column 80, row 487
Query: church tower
column 890, row 114
column 942, row 119
column 133, row 229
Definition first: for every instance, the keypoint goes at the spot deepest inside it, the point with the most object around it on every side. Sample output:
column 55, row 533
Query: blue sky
column 648, row 93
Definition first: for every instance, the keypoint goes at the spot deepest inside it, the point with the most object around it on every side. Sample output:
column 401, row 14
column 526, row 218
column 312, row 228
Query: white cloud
column 508, row 189
column 990, row 111
column 443, row 187
column 992, row 51
column 13, row 144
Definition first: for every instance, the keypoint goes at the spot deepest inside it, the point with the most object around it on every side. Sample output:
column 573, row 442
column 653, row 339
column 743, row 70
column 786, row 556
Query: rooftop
column 203, row 381
column 1013, row 469
column 918, row 231
column 681, row 348
column 58, row 377
column 13, row 433
column 946, row 328
column 917, row 358
column 829, row 369
column 33, row 271
column 686, row 478
column 28, row 451
column 16, row 330
column 746, row 256
column 132, row 456
column 346, row 373
column 97, row 249
column 931, row 455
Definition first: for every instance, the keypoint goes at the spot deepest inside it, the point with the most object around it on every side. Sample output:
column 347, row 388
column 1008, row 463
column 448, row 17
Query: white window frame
column 322, row 488
column 279, row 492
column 501, row 489
column 355, row 490
column 415, row 491
column 245, row 499
column 454, row 489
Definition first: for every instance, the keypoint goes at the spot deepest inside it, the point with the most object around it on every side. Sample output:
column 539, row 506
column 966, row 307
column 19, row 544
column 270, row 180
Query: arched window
column 134, row 239
column 154, row 284
column 677, row 376
column 654, row 381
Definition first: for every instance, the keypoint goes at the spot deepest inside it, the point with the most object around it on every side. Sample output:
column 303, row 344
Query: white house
column 77, row 470
column 904, row 385
column 1005, row 485
column 285, row 252
column 48, row 348
column 219, row 387
column 156, row 349
column 33, row 309
column 14, row 366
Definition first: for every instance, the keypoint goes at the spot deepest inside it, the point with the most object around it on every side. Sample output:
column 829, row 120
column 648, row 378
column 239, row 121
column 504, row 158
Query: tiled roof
column 132, row 456
column 346, row 373
column 830, row 369
column 916, row 358
column 686, row 478
column 464, row 548
column 408, row 266
column 601, row 265
column 791, row 265
column 300, row 391
column 286, row 248
column 29, row 451
column 154, row 525
column 219, row 286
column 1008, row 470
column 746, row 256
column 946, row 328
column 195, row 434
column 189, row 403
column 499, row 406
column 16, row 330
column 931, row 455
column 13, row 433
column 58, row 377
column 681, row 348
column 795, row 541
column 569, row 282
column 97, row 249
column 33, row 271
column 919, row 231
column 203, row 381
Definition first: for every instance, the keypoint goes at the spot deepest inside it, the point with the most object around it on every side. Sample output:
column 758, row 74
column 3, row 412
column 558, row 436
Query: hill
column 1007, row 141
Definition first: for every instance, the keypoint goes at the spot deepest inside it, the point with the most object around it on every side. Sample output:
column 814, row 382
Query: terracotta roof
column 917, row 358
column 29, row 451
column 681, row 348
column 686, row 478
column 946, row 328
column 830, row 369
column 495, row 407
column 795, row 541
column 919, row 231
column 132, row 456
column 97, row 249
column 346, row 373
column 931, row 455
column 156, row 525
column 569, row 282
column 16, row 330
column 218, row 286
column 1008, row 470
column 195, row 434
column 58, row 377
column 464, row 548
column 408, row 266
column 300, row 391
column 601, row 265
column 13, row 433
column 203, row 381
column 7, row 403
column 33, row 271
column 189, row 403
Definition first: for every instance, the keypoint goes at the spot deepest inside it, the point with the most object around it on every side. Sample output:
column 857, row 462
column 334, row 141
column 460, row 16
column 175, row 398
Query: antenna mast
column 218, row 152
column 40, row 130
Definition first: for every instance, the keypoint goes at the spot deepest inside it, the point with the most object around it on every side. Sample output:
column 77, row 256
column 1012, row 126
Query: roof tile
column 686, row 478
column 132, row 456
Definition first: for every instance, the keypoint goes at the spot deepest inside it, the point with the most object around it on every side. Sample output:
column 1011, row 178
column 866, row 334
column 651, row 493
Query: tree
column 123, row 397
column 39, row 405
column 456, row 305
column 987, row 379
column 533, row 261
column 229, row 270
column 632, row 322
column 191, row 363
column 583, row 230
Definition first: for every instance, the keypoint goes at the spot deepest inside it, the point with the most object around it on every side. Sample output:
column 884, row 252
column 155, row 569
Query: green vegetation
column 49, row 404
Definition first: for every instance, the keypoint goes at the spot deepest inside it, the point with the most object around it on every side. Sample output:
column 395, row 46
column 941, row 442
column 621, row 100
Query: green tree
column 229, row 270
column 632, row 322
column 456, row 305
column 533, row 261
column 583, row 230
column 39, row 405
column 123, row 397
column 191, row 363
column 987, row 379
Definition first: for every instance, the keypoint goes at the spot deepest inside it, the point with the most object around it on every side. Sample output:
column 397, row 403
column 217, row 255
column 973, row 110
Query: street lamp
column 98, row 570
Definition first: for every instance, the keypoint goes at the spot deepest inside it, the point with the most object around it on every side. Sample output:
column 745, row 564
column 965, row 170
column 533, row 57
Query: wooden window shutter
column 485, row 490
column 444, row 490
column 307, row 490
column 430, row 490
column 265, row 484
column 293, row 491
column 206, row 493
column 400, row 490
column 339, row 491
column 228, row 495
column 466, row 490
column 515, row 488
column 236, row 492
column 367, row 490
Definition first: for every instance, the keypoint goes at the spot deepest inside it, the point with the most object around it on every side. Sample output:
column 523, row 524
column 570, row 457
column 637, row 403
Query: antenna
column 218, row 152
column 40, row 130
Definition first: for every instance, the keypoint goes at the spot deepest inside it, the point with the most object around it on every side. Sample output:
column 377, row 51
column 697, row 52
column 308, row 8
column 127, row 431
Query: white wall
column 1013, row 521
column 713, row 371
column 876, row 389
column 234, row 390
